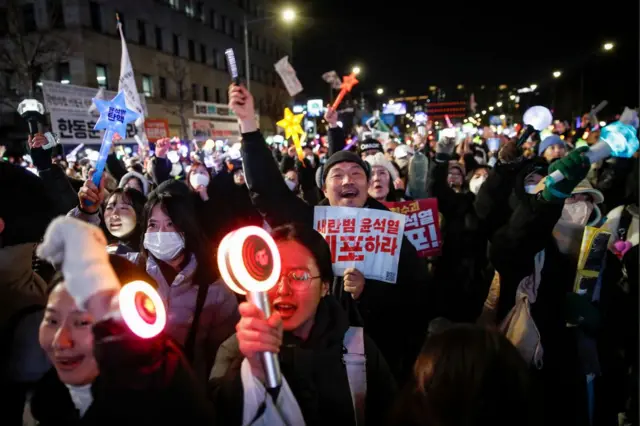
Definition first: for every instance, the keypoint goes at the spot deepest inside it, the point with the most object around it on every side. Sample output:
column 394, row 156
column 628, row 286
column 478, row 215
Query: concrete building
column 165, row 38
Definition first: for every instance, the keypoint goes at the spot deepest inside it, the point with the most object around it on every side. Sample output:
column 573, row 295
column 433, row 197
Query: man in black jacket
column 393, row 315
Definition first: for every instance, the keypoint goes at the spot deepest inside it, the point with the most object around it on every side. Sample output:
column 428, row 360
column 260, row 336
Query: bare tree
column 176, row 70
column 274, row 104
column 28, row 52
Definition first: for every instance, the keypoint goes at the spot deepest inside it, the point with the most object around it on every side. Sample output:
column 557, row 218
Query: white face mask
column 291, row 184
column 311, row 159
column 197, row 179
column 577, row 213
column 164, row 245
column 476, row 183
column 530, row 189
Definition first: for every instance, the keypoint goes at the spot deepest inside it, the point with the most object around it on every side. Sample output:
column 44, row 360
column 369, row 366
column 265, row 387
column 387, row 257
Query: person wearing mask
column 389, row 150
column 382, row 308
column 309, row 331
column 102, row 372
column 384, row 178
column 537, row 269
column 467, row 375
column 198, row 179
column 291, row 179
column 477, row 177
column 552, row 148
column 462, row 273
column 122, row 213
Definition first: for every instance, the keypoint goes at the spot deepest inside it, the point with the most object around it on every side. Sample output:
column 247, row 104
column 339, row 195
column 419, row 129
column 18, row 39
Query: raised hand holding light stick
column 114, row 117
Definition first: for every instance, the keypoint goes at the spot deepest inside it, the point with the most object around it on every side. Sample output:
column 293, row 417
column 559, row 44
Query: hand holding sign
column 90, row 196
column 114, row 116
column 353, row 282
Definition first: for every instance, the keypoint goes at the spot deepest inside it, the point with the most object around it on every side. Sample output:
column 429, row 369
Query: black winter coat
column 314, row 371
column 393, row 315
column 141, row 382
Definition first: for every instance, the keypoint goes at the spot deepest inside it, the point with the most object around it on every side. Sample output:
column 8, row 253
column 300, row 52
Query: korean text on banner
column 70, row 117
column 288, row 76
column 422, row 225
column 156, row 129
column 366, row 239
column 201, row 130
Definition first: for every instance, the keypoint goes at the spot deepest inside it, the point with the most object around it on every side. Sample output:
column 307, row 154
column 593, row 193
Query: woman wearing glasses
column 328, row 377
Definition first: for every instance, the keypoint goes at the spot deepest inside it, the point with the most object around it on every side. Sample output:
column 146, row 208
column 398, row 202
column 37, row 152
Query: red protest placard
column 156, row 129
column 422, row 225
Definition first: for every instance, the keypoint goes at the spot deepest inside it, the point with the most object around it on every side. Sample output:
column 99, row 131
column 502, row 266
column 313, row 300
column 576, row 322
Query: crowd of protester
column 490, row 331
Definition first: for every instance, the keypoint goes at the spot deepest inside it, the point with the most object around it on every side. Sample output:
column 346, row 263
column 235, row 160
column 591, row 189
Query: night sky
column 468, row 43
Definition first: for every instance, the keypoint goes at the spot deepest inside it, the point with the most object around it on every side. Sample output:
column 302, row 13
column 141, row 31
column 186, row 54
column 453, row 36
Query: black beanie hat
column 344, row 157
column 368, row 144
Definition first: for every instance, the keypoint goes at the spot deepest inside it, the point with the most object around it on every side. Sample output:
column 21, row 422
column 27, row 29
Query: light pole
column 288, row 16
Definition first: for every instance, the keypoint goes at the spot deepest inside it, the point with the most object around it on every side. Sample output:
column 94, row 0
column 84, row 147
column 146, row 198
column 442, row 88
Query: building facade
column 176, row 49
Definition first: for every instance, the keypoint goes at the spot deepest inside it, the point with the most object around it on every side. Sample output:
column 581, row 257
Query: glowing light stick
column 292, row 128
column 249, row 262
column 32, row 111
column 233, row 67
column 142, row 309
column 348, row 81
column 446, row 118
column 536, row 118
column 114, row 117
column 617, row 139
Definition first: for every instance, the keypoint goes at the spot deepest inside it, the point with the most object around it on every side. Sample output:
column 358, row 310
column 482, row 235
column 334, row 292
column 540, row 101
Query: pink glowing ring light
column 248, row 260
column 142, row 309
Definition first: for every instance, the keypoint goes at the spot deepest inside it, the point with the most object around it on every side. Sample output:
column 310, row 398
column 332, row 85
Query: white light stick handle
column 270, row 361
column 597, row 152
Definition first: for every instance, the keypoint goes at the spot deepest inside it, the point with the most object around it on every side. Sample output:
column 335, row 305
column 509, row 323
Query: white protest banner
column 332, row 78
column 288, row 76
column 211, row 110
column 201, row 130
column 127, row 82
column 70, row 117
column 366, row 239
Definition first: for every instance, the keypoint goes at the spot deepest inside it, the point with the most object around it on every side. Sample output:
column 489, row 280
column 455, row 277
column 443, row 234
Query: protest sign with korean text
column 422, row 225
column 71, row 120
column 366, row 239
column 156, row 128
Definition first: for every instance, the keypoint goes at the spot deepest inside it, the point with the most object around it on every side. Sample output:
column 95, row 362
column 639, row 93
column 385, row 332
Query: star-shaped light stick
column 292, row 129
column 348, row 81
column 114, row 117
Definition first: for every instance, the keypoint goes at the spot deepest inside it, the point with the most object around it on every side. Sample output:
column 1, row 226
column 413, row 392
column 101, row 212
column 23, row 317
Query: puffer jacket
column 217, row 321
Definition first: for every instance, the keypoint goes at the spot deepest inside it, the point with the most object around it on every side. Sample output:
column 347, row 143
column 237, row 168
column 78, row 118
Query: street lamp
column 288, row 16
column 380, row 91
column 608, row 46
column 557, row 74
column 356, row 70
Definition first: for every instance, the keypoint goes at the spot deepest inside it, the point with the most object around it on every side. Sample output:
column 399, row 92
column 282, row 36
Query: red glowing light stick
column 348, row 81
column 249, row 262
column 142, row 309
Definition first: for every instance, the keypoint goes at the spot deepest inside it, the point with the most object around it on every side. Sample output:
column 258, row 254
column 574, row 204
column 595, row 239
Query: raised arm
column 270, row 194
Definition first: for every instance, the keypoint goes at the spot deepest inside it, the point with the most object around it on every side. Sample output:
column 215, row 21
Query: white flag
column 332, row 78
column 288, row 76
column 99, row 95
column 127, row 82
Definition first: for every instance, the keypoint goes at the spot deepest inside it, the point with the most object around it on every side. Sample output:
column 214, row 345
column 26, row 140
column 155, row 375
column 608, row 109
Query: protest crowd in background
column 441, row 279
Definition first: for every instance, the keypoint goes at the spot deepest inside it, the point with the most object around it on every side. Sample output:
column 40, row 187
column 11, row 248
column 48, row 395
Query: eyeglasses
column 298, row 279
